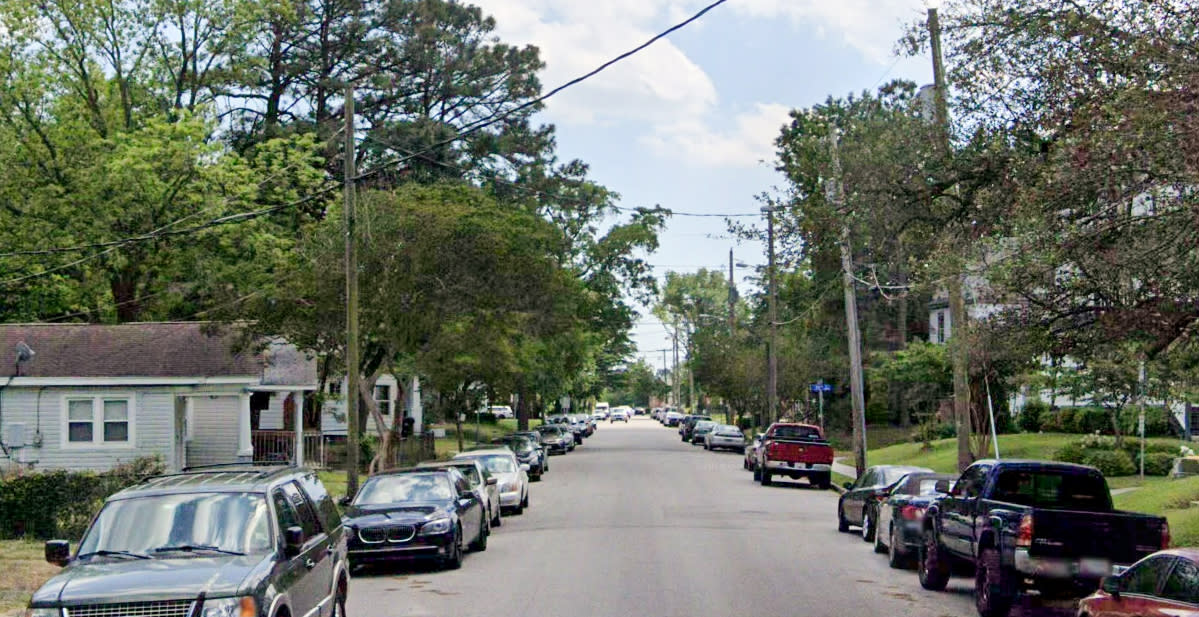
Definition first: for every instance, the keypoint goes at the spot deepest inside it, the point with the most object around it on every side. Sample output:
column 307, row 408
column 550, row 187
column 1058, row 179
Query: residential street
column 637, row 523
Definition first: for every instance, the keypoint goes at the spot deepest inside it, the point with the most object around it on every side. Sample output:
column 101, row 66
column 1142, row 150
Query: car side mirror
column 466, row 501
column 1111, row 585
column 524, row 467
column 345, row 501
column 942, row 486
column 848, row 486
column 58, row 552
column 492, row 481
column 293, row 541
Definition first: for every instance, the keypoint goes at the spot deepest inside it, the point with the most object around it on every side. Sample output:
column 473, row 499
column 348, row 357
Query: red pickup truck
column 795, row 451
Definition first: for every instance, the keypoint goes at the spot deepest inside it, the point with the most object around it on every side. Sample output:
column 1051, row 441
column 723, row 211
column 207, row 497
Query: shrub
column 1005, row 422
column 1090, row 420
column 1031, row 416
column 1110, row 462
column 1157, row 463
column 932, row 431
column 1073, row 452
column 1157, row 422
column 61, row 504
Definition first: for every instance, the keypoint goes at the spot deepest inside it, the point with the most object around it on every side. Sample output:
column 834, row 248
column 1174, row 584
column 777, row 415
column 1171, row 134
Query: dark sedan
column 900, row 517
column 528, row 452
column 556, row 438
column 416, row 514
column 859, row 505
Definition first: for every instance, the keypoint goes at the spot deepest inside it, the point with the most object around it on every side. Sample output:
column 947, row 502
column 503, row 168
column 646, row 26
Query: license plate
column 1094, row 567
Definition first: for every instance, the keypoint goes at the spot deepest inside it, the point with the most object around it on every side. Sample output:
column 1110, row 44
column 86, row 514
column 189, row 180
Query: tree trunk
column 522, row 409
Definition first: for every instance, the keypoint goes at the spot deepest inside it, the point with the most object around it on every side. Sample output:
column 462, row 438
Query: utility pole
column 857, row 396
column 674, row 372
column 732, row 298
column 352, row 360
column 772, row 376
column 959, row 353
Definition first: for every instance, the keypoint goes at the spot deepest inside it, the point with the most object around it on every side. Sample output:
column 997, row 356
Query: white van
column 601, row 409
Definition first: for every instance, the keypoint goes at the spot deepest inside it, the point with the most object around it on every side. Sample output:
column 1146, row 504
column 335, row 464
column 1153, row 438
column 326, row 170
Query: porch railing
column 279, row 447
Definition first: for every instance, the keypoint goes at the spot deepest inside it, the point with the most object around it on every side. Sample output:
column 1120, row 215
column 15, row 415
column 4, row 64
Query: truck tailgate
column 1123, row 537
column 796, row 451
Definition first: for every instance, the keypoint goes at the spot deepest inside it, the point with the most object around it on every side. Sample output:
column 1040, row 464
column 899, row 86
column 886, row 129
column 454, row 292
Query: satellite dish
column 25, row 353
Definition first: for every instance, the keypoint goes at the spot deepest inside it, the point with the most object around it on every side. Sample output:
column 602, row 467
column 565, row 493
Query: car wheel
column 765, row 477
column 339, row 601
column 497, row 517
column 453, row 561
column 879, row 547
column 994, row 590
column 524, row 503
column 933, row 570
column 480, row 543
column 867, row 525
column 757, row 474
column 842, row 524
column 895, row 556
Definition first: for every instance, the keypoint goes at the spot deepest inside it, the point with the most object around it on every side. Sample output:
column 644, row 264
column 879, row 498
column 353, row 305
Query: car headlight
column 43, row 612
column 230, row 607
column 441, row 525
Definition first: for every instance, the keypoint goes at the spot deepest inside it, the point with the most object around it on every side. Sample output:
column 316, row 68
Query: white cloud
column 661, row 87
column 749, row 141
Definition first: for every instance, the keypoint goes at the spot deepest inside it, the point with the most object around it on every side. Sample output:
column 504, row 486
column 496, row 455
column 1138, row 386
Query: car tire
column 824, row 481
column 453, row 561
column 867, row 525
column 480, row 543
column 757, row 474
column 933, row 569
column 524, row 503
column 339, row 600
column 497, row 517
column 842, row 524
column 896, row 558
column 879, row 547
column 994, row 587
column 766, row 477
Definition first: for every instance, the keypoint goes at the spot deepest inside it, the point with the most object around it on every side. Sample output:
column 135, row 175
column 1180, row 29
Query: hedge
column 60, row 504
column 1091, row 420
column 1110, row 462
column 1101, row 452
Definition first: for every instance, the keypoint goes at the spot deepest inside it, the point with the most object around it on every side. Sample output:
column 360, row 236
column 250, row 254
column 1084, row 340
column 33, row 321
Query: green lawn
column 942, row 456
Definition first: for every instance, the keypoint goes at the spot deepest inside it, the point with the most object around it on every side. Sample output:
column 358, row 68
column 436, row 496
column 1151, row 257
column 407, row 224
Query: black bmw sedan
column 415, row 514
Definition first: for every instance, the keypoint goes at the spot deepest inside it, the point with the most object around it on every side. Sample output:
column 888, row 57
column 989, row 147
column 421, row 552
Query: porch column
column 298, row 395
column 414, row 407
column 245, row 446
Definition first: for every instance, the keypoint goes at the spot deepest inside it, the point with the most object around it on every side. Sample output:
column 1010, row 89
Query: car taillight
column 1024, row 534
column 911, row 513
column 1165, row 535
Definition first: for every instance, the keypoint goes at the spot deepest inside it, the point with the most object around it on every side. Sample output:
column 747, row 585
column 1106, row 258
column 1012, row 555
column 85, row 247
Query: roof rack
column 271, row 465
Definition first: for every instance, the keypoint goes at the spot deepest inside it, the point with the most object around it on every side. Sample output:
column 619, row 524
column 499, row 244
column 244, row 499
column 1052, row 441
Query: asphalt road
column 636, row 523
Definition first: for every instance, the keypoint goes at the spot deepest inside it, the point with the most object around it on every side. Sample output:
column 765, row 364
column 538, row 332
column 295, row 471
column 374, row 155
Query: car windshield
column 1047, row 489
column 471, row 472
column 406, row 488
column 891, row 475
column 497, row 463
column 235, row 522
column 705, row 425
column 797, row 432
column 728, row 429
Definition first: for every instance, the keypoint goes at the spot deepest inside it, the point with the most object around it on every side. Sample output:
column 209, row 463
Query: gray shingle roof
column 160, row 349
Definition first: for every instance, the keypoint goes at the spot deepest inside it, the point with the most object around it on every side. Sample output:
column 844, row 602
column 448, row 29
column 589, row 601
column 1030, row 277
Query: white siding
column 152, row 430
column 271, row 418
column 335, row 406
column 214, row 439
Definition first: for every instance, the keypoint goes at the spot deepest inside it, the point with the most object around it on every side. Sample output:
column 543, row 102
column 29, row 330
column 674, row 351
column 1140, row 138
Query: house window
column 940, row 326
column 383, row 399
column 98, row 421
column 335, row 387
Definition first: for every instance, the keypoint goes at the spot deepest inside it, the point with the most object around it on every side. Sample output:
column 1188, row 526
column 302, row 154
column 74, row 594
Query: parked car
column 860, row 503
column 485, row 485
column 270, row 538
column 688, row 425
column 557, row 438
column 726, row 437
column 619, row 415
column 501, row 411
column 1018, row 525
column 901, row 516
column 527, row 451
column 535, row 437
column 416, row 514
column 1164, row 583
column 639, row 411
column 794, row 451
column 673, row 417
column 602, row 408
column 512, row 475
column 750, row 460
column 700, row 431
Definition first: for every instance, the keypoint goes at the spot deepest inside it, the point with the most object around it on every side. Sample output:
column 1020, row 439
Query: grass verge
column 22, row 570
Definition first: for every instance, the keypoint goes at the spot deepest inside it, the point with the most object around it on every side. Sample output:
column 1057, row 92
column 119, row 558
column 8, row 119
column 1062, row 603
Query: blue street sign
column 818, row 387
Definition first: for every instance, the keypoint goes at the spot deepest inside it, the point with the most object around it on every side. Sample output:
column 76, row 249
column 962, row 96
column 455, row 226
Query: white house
column 93, row 396
column 387, row 396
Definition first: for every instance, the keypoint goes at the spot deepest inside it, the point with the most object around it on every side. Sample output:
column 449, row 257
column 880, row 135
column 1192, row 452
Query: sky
column 689, row 123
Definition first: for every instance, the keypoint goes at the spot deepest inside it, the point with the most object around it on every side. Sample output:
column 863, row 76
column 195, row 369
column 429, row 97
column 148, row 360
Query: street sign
column 822, row 387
